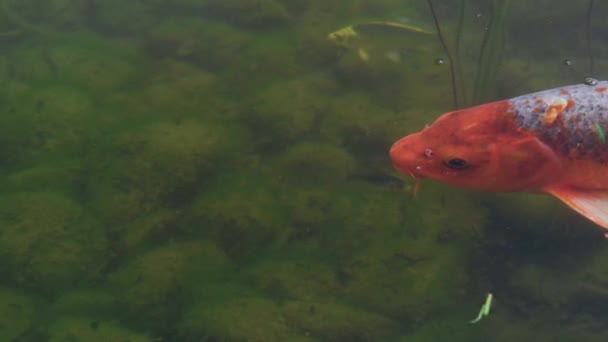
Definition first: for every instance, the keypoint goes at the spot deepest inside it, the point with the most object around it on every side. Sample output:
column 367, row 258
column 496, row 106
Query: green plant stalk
column 455, row 96
column 462, row 92
column 492, row 49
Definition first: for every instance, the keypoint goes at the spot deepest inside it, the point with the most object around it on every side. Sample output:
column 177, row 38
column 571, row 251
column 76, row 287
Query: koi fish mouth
column 411, row 171
column 416, row 177
column 416, row 173
column 404, row 160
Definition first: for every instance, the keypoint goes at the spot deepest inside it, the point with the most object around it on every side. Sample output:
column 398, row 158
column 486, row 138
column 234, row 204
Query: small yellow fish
column 381, row 39
column 351, row 31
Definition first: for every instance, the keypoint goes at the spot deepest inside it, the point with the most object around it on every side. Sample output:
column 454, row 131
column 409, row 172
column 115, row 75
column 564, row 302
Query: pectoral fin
column 593, row 204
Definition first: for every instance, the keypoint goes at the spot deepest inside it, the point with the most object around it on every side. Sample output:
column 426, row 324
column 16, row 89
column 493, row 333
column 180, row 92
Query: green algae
column 237, row 319
column 176, row 90
column 49, row 242
column 170, row 158
column 17, row 314
column 96, row 304
column 60, row 175
column 200, row 170
column 148, row 228
column 77, row 58
column 290, row 110
column 244, row 226
column 151, row 298
column 249, row 13
column 44, row 121
column 116, row 17
column 83, row 329
column 316, row 162
column 295, row 277
column 209, row 43
column 337, row 322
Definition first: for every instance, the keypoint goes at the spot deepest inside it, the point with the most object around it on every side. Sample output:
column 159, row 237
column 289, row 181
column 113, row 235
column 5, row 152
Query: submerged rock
column 48, row 242
column 150, row 287
column 253, row 319
column 159, row 165
column 316, row 162
column 242, row 225
column 287, row 111
column 331, row 321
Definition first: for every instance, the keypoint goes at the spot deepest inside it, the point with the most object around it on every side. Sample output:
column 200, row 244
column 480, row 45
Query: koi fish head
column 478, row 148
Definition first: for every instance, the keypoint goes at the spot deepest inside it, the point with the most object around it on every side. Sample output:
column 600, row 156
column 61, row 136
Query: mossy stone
column 49, row 242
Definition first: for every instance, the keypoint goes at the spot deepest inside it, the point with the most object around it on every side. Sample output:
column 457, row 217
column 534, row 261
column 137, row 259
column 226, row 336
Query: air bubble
column 590, row 81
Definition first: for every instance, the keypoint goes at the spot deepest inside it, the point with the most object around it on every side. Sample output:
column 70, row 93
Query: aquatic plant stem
column 456, row 101
column 459, row 70
column 492, row 48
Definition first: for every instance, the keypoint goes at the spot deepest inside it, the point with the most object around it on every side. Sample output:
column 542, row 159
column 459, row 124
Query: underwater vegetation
column 217, row 170
column 485, row 68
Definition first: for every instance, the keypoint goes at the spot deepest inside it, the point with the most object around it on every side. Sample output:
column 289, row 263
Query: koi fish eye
column 456, row 163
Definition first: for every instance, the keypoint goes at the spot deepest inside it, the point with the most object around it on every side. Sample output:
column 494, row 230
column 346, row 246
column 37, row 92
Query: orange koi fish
column 551, row 141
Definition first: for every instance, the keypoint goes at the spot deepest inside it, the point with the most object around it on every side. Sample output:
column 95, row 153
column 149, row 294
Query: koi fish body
column 551, row 141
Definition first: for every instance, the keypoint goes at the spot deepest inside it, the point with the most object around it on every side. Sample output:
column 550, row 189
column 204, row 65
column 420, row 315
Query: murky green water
column 217, row 170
